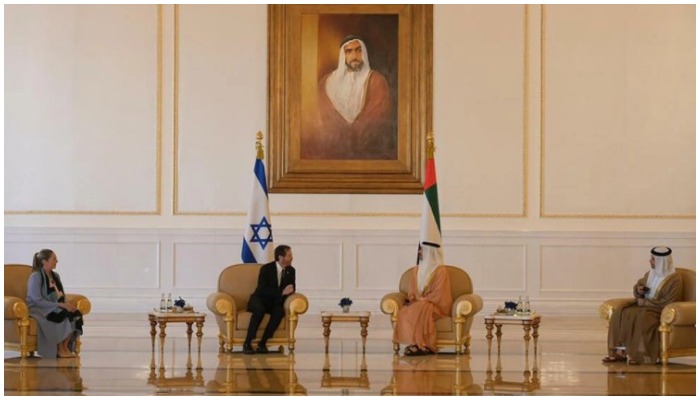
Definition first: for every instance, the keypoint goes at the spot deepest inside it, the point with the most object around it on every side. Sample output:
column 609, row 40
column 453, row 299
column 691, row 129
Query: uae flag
column 430, row 225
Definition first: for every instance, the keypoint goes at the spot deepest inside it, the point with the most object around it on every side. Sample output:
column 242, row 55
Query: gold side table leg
column 499, row 333
column 162, row 325
column 326, row 330
column 153, row 335
column 363, row 331
column 189, row 336
column 489, row 333
column 526, row 327
column 535, row 335
column 200, row 324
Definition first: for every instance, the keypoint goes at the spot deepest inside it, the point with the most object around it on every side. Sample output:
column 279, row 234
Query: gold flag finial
column 430, row 145
column 259, row 145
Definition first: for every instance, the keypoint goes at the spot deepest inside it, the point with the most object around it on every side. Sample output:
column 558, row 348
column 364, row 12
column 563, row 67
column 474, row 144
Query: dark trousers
column 259, row 309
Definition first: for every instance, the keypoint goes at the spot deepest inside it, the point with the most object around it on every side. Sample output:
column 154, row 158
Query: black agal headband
column 661, row 251
column 350, row 38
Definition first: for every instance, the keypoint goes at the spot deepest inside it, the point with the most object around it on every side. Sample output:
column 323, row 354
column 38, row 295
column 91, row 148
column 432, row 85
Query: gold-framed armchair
column 230, row 307
column 452, row 330
column 20, row 328
column 677, row 319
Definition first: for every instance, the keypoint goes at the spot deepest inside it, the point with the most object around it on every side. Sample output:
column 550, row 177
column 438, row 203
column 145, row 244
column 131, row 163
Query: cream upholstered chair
column 20, row 328
column 677, row 319
column 452, row 330
column 230, row 307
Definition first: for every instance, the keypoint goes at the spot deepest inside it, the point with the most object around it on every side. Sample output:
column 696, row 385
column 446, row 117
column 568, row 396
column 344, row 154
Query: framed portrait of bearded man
column 349, row 97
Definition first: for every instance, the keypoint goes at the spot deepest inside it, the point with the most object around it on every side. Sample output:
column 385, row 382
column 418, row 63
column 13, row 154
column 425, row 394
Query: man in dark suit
column 276, row 281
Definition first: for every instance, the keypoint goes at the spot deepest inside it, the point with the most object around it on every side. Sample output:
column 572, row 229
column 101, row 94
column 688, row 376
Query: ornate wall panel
column 618, row 111
column 219, row 104
column 481, row 109
column 83, row 109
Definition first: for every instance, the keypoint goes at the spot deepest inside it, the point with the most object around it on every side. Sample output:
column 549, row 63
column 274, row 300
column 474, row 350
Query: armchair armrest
column 80, row 302
column 467, row 305
column 606, row 309
column 679, row 313
column 221, row 303
column 391, row 304
column 296, row 304
column 15, row 308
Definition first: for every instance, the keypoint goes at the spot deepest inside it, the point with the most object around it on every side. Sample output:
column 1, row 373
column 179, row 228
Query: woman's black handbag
column 59, row 316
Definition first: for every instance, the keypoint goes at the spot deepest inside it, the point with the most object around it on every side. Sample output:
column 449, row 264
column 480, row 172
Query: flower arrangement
column 345, row 302
column 179, row 302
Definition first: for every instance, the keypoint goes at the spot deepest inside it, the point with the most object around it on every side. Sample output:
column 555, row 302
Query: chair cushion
column 243, row 320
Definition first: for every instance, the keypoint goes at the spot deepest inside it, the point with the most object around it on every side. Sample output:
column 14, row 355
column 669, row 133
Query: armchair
column 230, row 307
column 452, row 330
column 677, row 319
column 20, row 328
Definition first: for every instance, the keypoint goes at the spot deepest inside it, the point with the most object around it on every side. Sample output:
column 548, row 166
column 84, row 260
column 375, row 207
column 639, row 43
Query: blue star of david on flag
column 256, row 233
column 257, row 236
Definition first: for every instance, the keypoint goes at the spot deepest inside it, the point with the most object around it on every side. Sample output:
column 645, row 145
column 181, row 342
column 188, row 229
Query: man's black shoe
column 262, row 349
column 247, row 348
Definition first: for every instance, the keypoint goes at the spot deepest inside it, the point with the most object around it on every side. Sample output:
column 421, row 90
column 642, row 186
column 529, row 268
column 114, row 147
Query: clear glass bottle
column 519, row 310
column 526, row 307
column 170, row 302
column 162, row 302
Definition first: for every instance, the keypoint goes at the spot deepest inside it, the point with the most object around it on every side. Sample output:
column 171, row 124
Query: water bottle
column 526, row 308
column 162, row 302
column 170, row 303
column 519, row 310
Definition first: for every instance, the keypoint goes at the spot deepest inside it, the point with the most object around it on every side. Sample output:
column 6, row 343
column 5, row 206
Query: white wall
column 129, row 142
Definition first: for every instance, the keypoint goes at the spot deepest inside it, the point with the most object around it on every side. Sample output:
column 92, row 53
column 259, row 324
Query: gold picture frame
column 309, row 154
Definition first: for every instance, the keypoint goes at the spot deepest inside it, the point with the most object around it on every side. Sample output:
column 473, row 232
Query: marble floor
column 116, row 359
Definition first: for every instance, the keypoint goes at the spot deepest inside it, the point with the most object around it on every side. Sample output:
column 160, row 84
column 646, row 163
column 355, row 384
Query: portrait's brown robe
column 416, row 321
column 372, row 135
column 637, row 327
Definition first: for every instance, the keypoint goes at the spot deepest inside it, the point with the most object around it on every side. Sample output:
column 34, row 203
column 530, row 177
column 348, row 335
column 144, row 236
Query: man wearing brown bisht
column 429, row 298
column 633, row 334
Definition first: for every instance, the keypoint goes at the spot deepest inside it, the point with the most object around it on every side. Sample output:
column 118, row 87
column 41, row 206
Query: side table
column 162, row 319
column 327, row 317
column 527, row 321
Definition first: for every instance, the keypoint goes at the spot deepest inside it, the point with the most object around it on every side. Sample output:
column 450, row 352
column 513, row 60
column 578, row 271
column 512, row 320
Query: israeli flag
column 257, row 236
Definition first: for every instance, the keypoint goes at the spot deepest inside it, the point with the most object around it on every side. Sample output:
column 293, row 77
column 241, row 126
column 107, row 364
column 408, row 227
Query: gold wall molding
column 176, row 117
column 159, row 138
column 543, row 212
column 343, row 214
column 526, row 105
